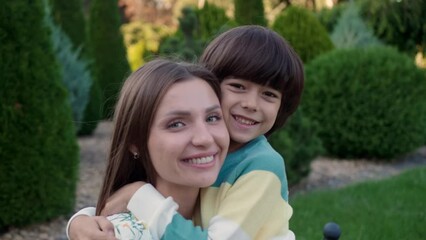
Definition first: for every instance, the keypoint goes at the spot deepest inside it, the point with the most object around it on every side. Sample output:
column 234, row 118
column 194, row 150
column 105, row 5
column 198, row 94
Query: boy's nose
column 250, row 103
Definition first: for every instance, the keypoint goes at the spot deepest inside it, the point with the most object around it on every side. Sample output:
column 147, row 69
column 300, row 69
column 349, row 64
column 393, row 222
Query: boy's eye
column 213, row 118
column 176, row 124
column 237, row 86
column 270, row 94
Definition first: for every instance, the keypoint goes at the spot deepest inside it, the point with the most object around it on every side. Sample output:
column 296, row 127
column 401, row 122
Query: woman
column 168, row 131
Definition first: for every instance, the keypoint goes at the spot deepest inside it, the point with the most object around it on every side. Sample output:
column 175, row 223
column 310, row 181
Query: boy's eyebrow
column 187, row 113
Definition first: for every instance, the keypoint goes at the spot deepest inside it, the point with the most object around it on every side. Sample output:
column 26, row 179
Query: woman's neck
column 185, row 197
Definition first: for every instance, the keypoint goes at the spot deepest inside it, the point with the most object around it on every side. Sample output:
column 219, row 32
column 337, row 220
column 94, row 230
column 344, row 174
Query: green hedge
column 304, row 32
column 369, row 102
column 38, row 149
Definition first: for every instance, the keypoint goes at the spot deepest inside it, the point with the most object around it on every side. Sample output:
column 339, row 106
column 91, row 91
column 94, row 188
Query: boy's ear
column 133, row 149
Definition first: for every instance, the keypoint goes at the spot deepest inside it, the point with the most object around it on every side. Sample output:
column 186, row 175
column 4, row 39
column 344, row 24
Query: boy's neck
column 234, row 146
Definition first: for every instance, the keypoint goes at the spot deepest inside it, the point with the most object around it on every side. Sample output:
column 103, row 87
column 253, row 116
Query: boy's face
column 249, row 109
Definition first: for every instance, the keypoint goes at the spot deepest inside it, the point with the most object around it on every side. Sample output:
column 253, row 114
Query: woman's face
column 188, row 140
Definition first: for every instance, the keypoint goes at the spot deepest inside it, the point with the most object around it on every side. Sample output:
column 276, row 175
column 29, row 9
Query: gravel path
column 325, row 173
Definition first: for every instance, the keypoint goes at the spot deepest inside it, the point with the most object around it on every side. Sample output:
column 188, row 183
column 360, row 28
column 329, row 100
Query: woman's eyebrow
column 187, row 113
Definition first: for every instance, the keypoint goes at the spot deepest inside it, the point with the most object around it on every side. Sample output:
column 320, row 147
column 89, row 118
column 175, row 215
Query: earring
column 135, row 156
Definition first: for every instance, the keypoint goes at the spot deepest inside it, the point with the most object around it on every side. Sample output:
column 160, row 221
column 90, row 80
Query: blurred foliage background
column 63, row 62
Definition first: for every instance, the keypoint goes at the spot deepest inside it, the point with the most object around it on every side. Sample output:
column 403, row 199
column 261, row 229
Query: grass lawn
column 392, row 208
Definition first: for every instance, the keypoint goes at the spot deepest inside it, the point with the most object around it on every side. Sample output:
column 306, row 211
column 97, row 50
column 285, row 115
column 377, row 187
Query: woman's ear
column 133, row 149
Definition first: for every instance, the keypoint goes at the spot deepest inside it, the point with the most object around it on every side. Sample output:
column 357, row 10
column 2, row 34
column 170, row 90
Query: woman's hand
column 85, row 227
column 117, row 203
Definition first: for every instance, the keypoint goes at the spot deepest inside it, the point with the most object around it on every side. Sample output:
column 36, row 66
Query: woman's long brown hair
column 139, row 99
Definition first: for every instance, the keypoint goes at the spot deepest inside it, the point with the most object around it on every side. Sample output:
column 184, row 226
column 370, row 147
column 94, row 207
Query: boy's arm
column 252, row 207
column 85, row 225
column 90, row 226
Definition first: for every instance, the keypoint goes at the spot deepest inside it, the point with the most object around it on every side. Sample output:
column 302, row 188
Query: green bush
column 249, row 12
column 303, row 31
column 351, row 31
column 74, row 69
column 299, row 144
column 369, row 102
column 107, row 47
column 38, row 149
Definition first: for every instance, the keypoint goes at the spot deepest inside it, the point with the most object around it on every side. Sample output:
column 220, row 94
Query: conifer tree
column 38, row 149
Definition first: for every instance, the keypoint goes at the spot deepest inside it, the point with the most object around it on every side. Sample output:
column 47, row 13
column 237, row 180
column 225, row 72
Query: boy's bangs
column 268, row 69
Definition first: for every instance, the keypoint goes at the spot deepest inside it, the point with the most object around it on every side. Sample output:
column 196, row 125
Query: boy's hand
column 117, row 203
column 85, row 227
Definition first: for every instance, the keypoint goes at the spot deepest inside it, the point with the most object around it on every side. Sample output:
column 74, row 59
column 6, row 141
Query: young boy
column 261, row 81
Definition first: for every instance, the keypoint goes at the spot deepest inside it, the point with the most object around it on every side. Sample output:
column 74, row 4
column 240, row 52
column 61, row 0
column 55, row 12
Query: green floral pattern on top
column 127, row 226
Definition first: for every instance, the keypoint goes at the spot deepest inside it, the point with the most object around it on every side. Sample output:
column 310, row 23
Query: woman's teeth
column 202, row 160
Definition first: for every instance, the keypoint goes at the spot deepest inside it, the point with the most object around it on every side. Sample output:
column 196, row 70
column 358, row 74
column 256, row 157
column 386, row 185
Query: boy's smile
column 249, row 109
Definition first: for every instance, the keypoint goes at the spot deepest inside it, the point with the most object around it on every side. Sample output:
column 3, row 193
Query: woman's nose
column 202, row 135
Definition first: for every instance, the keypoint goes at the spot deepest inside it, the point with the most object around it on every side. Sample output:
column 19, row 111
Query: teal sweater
column 249, row 200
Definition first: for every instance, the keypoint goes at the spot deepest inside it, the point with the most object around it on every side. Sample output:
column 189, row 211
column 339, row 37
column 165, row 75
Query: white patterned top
column 127, row 226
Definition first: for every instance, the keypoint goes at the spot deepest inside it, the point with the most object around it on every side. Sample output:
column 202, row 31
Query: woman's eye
column 213, row 118
column 176, row 124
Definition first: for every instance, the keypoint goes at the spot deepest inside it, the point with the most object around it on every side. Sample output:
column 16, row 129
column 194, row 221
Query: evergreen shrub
column 248, row 12
column 212, row 21
column 351, row 31
column 303, row 31
column 369, row 102
column 38, row 147
column 69, row 16
column 197, row 27
column 74, row 69
column 398, row 23
column 329, row 17
column 184, row 44
column 299, row 144
column 92, row 112
column 109, row 55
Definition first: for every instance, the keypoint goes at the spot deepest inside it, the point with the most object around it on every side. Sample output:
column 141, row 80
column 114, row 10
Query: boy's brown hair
column 259, row 55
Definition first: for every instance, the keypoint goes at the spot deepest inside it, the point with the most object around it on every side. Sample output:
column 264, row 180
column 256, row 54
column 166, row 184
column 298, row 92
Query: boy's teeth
column 202, row 160
column 244, row 121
